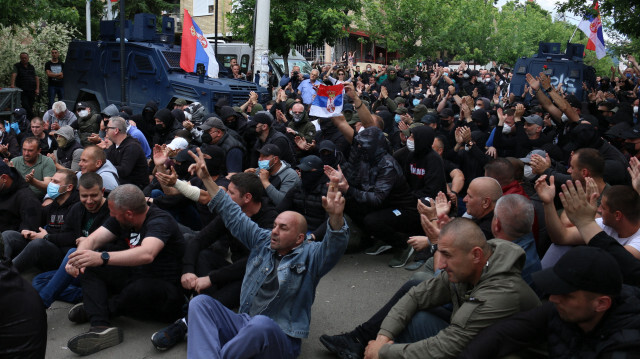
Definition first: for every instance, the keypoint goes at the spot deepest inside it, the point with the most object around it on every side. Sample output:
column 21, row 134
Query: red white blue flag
column 328, row 101
column 196, row 49
column 592, row 27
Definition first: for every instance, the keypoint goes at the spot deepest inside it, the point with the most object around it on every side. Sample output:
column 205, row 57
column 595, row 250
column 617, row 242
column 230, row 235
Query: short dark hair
column 624, row 199
column 32, row 140
column 592, row 160
column 90, row 180
column 69, row 177
column 248, row 183
column 501, row 170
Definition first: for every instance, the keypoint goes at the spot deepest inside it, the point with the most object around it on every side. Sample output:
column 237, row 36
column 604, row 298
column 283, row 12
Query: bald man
column 481, row 198
column 279, row 285
column 480, row 278
column 94, row 159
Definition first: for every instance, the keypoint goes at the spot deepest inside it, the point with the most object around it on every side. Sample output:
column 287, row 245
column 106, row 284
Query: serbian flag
column 196, row 49
column 328, row 101
column 592, row 27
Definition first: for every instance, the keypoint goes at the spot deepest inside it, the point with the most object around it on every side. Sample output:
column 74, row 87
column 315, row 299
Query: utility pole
column 261, row 43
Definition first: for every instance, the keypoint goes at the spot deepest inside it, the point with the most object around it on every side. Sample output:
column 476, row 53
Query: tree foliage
column 36, row 38
column 294, row 22
column 624, row 13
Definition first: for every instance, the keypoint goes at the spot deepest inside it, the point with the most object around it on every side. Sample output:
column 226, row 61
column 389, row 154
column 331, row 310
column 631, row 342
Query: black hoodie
column 423, row 167
column 19, row 207
column 375, row 177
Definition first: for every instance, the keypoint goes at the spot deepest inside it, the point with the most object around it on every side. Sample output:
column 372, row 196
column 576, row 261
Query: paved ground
column 347, row 296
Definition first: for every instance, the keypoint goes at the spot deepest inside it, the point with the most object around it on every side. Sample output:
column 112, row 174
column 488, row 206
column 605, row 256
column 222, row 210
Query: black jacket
column 73, row 225
column 19, row 207
column 374, row 176
column 23, row 319
column 423, row 167
column 615, row 336
column 130, row 161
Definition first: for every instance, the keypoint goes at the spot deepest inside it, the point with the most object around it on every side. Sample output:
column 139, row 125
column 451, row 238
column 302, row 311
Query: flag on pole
column 196, row 49
column 592, row 27
column 328, row 101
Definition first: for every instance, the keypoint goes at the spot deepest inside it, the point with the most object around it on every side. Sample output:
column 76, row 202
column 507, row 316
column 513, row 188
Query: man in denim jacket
column 278, row 288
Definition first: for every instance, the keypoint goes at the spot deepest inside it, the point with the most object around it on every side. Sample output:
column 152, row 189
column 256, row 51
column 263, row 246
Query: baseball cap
column 261, row 117
column 581, row 268
column 178, row 143
column 20, row 112
column 429, row 119
column 270, row 149
column 446, row 112
column 401, row 110
column 407, row 132
column 534, row 119
column 212, row 122
column 347, row 107
column 620, row 130
column 539, row 152
column 326, row 145
column 82, row 105
column 310, row 163
column 180, row 102
column 573, row 101
column 633, row 133
column 400, row 100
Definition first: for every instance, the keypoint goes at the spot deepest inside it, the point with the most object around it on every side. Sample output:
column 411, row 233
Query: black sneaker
column 77, row 314
column 166, row 338
column 377, row 248
column 401, row 257
column 95, row 340
column 345, row 346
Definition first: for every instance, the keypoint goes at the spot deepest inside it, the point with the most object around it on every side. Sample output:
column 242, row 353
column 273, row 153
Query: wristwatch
column 433, row 248
column 105, row 258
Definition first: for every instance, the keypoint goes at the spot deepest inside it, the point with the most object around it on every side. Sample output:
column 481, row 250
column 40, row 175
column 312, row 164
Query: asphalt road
column 348, row 295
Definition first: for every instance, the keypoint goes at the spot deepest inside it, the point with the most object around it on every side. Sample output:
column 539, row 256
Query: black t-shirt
column 56, row 68
column 159, row 224
column 26, row 77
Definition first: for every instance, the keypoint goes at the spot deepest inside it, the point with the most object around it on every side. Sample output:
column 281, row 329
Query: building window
column 203, row 7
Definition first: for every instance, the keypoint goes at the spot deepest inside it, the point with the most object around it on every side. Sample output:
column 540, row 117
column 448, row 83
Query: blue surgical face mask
column 264, row 165
column 416, row 102
column 53, row 190
column 397, row 118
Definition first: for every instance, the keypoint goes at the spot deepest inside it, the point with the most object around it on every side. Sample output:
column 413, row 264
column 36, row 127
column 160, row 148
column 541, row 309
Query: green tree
column 294, row 22
column 624, row 13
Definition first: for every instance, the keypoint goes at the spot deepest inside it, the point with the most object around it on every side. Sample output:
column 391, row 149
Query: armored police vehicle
column 152, row 70
column 567, row 68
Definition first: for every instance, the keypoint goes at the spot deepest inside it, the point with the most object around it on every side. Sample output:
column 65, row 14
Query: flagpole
column 574, row 34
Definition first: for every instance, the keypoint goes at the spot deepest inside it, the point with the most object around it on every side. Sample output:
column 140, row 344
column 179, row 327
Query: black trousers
column 110, row 291
column 391, row 225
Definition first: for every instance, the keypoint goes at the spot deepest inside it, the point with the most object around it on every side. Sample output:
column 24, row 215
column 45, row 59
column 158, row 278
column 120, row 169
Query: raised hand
column 429, row 209
column 333, row 203
column 533, row 82
column 443, row 204
column 167, row 179
column 545, row 191
column 200, row 167
column 545, row 81
column 634, row 171
column 539, row 164
column 579, row 207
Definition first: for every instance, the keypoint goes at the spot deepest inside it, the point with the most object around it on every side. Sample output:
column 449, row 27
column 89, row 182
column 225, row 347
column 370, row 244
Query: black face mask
column 328, row 158
column 159, row 127
column 310, row 178
column 213, row 166
column 182, row 169
column 206, row 138
column 631, row 148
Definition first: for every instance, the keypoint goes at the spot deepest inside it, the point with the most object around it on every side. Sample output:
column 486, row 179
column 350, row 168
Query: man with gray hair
column 126, row 154
column 146, row 277
column 58, row 116
column 513, row 221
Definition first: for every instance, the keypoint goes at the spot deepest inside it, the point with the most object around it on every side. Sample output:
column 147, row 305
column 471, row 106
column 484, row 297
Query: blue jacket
column 298, row 273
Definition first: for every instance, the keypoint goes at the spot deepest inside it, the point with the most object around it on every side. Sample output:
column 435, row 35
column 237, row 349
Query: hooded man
column 69, row 150
column 166, row 126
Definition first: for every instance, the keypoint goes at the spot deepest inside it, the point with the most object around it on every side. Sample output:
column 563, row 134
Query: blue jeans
column 53, row 91
column 217, row 332
column 58, row 285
